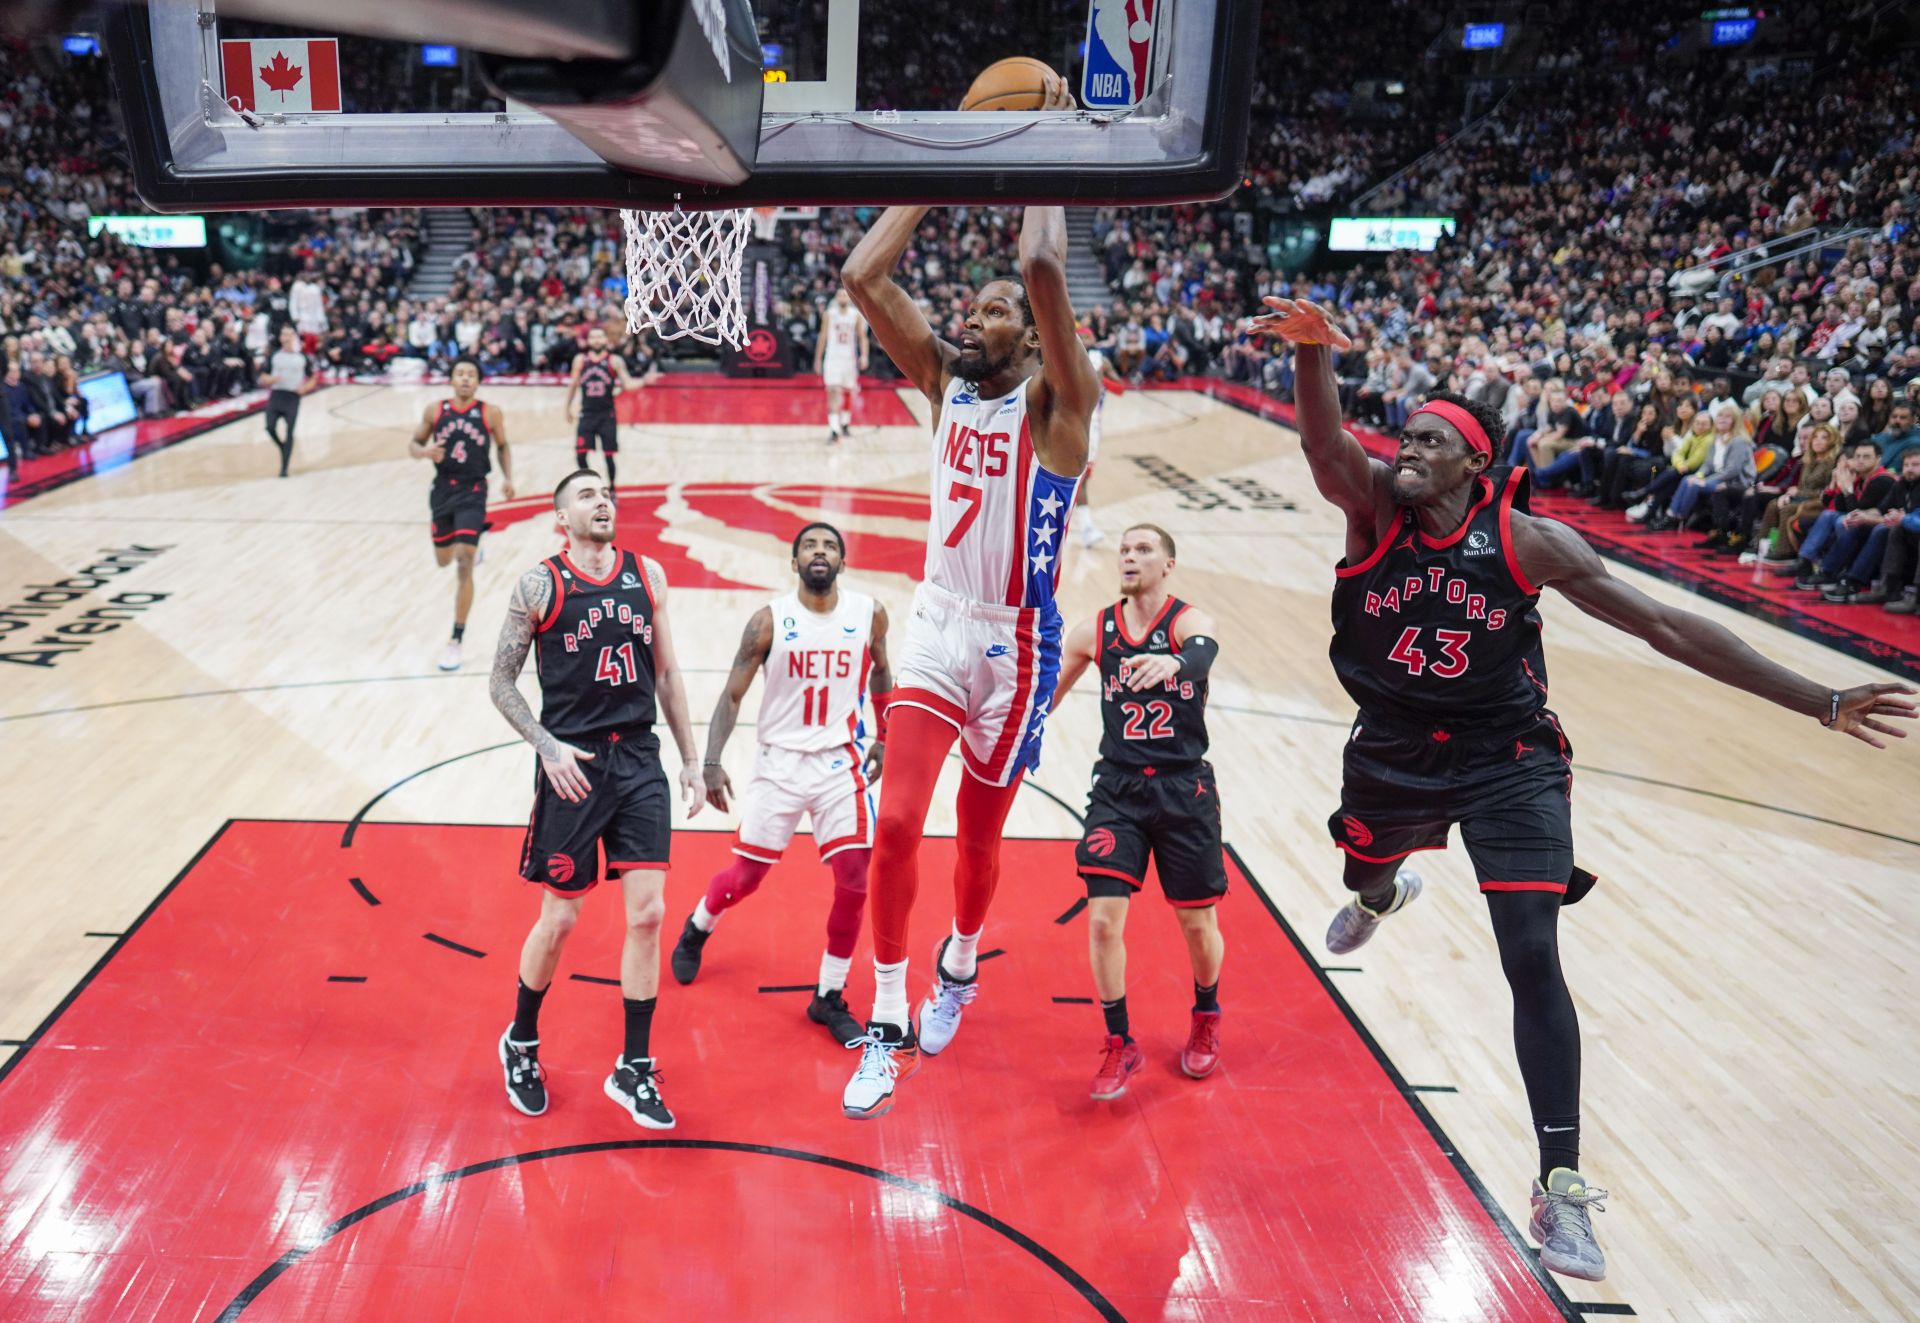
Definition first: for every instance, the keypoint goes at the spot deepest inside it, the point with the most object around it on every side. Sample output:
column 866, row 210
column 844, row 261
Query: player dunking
column 598, row 377
column 822, row 646
column 840, row 356
column 1437, row 639
column 983, row 647
column 1110, row 382
column 596, row 617
column 459, row 435
column 1154, row 794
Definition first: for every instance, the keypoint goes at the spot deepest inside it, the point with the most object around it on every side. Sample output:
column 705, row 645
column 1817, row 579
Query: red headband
column 1467, row 424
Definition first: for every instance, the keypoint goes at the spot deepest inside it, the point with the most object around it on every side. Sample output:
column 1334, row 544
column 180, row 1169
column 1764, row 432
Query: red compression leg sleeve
column 917, row 743
column 735, row 883
column 982, row 811
column 849, row 898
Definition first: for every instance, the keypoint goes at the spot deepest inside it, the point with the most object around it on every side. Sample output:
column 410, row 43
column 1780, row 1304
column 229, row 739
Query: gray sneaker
column 1355, row 923
column 1561, row 1225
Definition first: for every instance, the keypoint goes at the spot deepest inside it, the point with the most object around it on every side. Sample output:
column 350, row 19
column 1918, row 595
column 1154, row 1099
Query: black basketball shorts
column 627, row 811
column 604, row 429
column 1511, row 794
column 459, row 512
column 1171, row 815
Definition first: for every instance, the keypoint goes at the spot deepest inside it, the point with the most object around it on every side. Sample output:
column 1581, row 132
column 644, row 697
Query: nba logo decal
column 1121, row 35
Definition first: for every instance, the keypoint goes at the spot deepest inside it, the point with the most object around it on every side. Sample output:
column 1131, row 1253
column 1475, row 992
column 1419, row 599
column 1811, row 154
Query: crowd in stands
column 1770, row 409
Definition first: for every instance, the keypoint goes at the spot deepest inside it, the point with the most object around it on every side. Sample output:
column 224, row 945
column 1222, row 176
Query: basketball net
column 683, row 274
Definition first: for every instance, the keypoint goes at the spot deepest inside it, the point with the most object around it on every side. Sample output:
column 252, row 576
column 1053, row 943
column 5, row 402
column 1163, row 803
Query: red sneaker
column 1120, row 1059
column 1202, row 1052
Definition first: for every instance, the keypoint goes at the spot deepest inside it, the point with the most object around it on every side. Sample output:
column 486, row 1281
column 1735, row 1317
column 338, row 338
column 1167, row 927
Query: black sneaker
column 635, row 1085
column 526, row 1078
column 685, row 960
column 831, row 1010
column 1813, row 583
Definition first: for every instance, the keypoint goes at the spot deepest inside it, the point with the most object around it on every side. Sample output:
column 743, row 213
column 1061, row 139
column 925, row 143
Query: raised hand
column 1862, row 706
column 1303, row 322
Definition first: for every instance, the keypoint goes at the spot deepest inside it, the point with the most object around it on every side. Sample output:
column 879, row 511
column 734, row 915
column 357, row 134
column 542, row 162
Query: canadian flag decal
column 282, row 76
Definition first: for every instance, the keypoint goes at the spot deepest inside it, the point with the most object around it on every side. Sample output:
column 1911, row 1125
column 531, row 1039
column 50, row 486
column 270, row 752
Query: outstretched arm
column 755, row 645
column 1342, row 471
column 902, row 329
column 1065, row 391
column 1551, row 554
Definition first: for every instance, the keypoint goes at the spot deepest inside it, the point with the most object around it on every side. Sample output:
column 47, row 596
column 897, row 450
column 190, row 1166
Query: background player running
column 1437, row 639
column 982, row 649
column 598, row 377
column 822, row 647
column 459, row 436
column 606, row 666
column 1154, row 794
column 840, row 356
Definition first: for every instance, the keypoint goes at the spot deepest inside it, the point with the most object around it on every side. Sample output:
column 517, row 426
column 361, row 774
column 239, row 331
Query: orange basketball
column 1014, row 84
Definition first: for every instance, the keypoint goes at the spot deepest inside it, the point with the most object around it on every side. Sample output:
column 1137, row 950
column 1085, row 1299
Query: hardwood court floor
column 1742, row 973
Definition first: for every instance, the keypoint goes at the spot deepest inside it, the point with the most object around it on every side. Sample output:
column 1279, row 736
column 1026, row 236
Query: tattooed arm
column 561, row 762
column 880, row 684
column 755, row 644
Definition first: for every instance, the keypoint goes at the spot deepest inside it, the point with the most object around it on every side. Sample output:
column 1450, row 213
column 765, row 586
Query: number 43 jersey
column 593, row 651
column 1441, row 637
column 816, row 681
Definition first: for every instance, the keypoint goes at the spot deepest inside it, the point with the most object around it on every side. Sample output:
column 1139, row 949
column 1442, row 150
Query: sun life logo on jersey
column 627, row 580
column 1159, row 638
column 1478, row 544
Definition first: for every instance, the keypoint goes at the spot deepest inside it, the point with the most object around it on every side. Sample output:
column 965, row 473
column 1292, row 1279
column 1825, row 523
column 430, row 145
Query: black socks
column 1207, row 998
column 526, row 1015
column 639, row 1026
column 1559, row 1138
column 1116, row 1013
column 459, row 632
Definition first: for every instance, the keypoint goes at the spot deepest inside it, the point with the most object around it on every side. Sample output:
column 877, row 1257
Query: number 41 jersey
column 1443, row 636
column 593, row 651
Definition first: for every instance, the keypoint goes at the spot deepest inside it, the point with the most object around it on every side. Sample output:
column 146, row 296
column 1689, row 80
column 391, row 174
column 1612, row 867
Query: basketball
column 1019, row 83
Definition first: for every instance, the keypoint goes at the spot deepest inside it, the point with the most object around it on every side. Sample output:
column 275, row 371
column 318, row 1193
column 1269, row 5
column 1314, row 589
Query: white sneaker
column 940, row 1012
column 1090, row 533
column 1749, row 558
column 1637, row 513
column 1354, row 924
column 450, row 656
column 884, row 1060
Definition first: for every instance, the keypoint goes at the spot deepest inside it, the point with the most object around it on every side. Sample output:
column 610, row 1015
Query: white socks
column 704, row 918
column 960, row 961
column 833, row 973
column 890, row 994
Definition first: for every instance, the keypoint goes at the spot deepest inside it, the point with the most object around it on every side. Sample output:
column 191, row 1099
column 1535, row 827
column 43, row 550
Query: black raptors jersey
column 597, row 384
column 467, row 443
column 1444, row 635
column 594, row 651
column 1154, row 727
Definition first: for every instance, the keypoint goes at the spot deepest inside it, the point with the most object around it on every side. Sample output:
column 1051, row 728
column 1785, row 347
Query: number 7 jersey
column 998, row 517
column 816, row 674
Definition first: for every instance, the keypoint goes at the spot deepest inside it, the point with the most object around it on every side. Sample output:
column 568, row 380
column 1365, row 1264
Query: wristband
column 1833, row 712
column 713, row 764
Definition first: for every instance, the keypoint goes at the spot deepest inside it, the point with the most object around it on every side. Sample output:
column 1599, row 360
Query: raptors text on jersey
column 593, row 650
column 466, row 443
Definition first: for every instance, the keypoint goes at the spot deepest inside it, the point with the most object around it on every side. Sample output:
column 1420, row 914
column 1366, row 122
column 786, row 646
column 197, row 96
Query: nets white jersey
column 842, row 330
column 816, row 674
column 998, row 517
